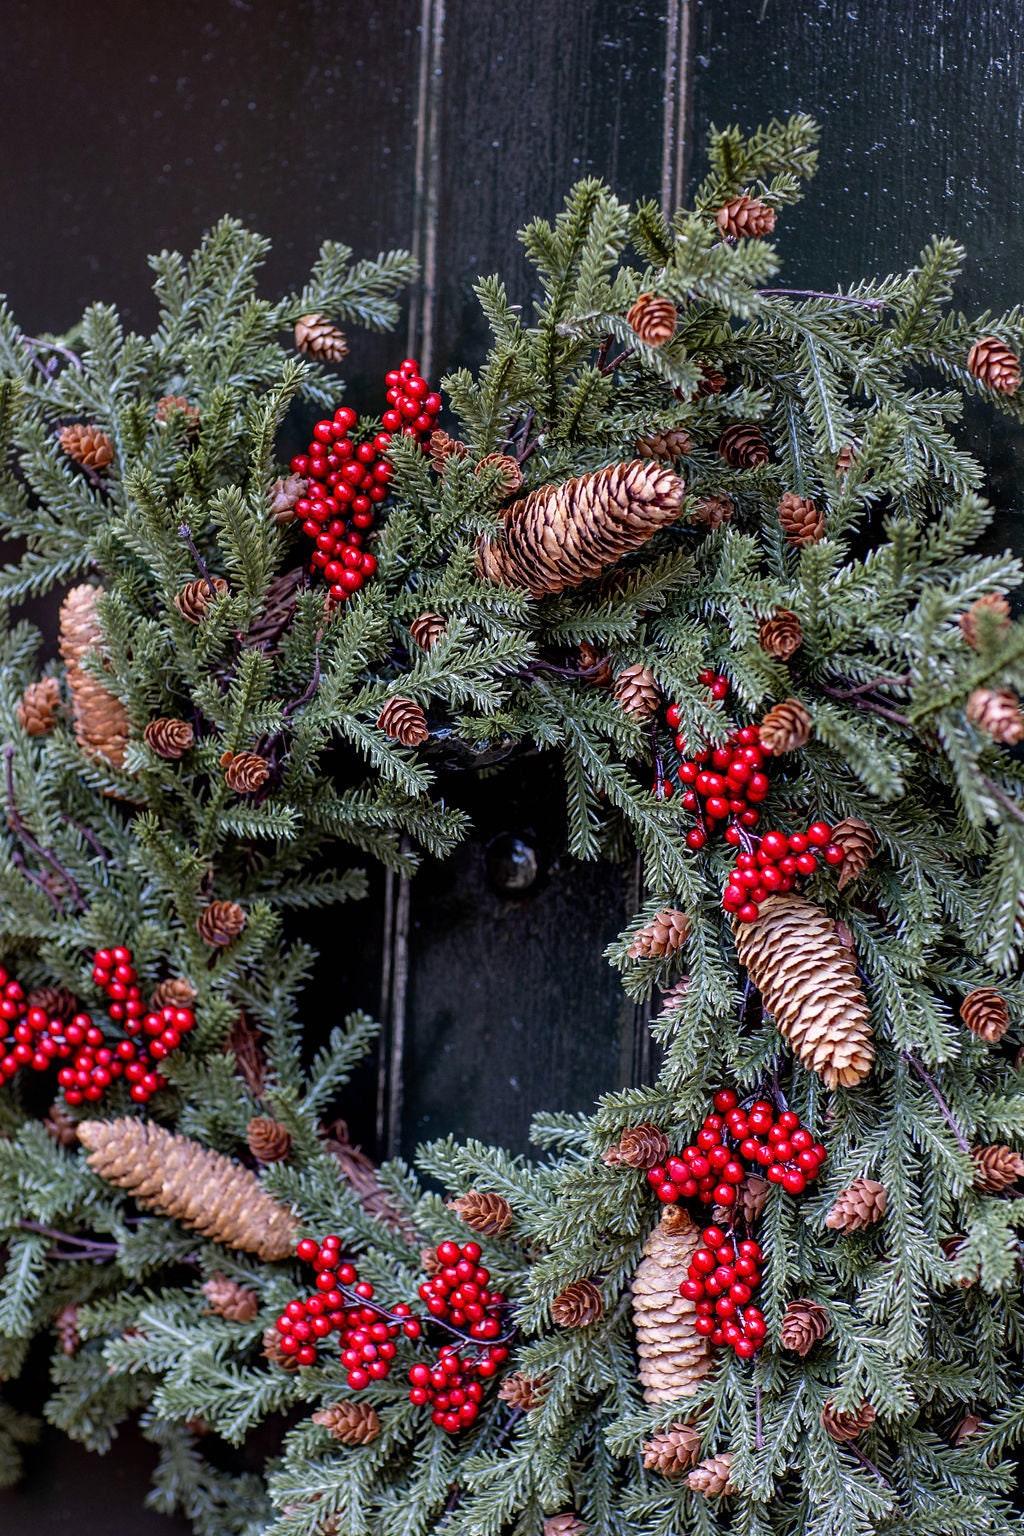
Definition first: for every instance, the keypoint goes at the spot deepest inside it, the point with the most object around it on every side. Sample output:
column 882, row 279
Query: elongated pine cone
column 351, row 1423
column 201, row 1189
column 522, row 1391
column 672, row 1451
column 60, row 1126
column 101, row 721
column 847, row 1426
column 273, row 1352
column 168, row 737
column 579, row 1305
column 781, row 635
column 673, row 1358
column 560, row 536
column 663, row 935
column 483, row 1212
column 745, row 216
column 237, row 1303
column 245, row 772
column 804, row 1325
column 88, row 445
column 175, row 992
column 284, row 493
column 985, row 1012
column 995, row 365
column 743, row 446
column 809, row 984
column 995, row 606
column 268, row 1140
column 712, row 511
column 506, row 469
column 56, row 1002
column 637, row 691
column 196, row 597
column 66, row 1324
column 568, row 1524
column 860, row 845
column 220, row 922
column 596, row 664
column 996, row 711
column 320, row 338
column 861, row 1205
column 427, row 630
column 443, row 447
column 996, row 1168
column 711, row 1477
column 800, row 520
column 403, row 720
column 653, row 319
column 640, row 1146
column 665, row 446
column 785, row 728
column 38, row 706
column 170, row 406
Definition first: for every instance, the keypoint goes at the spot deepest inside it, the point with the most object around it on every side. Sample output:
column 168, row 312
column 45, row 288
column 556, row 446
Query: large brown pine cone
column 745, row 216
column 56, row 1002
column 170, row 406
column 237, row 1303
column 268, row 1140
column 653, row 319
column 196, row 597
column 567, row 1524
column 169, row 737
column 996, row 711
column 781, row 635
column 800, row 520
column 637, row 691
column 804, row 1325
column 220, row 922
column 995, row 365
column 996, row 1168
column 88, row 445
column 321, row 338
column 351, row 1423
column 673, row 1358
column 861, row 1205
column 101, row 720
column 175, row 992
column 483, row 1211
column 38, row 706
column 743, row 446
column 508, row 475
column 674, row 443
column 785, row 728
column 711, row 512
column 284, row 493
column 985, row 1012
column 859, row 843
column 711, row 1477
column 443, row 447
column 663, row 935
column 403, row 720
column 273, row 1352
column 847, row 1426
column 245, row 772
column 578, row 1305
column 427, row 630
column 60, row 1126
column 522, row 1391
column 992, row 604
column 639, row 1146
column 672, row 1451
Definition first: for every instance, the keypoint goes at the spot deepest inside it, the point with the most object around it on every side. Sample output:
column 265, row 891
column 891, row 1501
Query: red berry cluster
column 777, row 1145
column 343, row 1304
column 458, row 1296
column 722, row 784
column 775, row 865
column 348, row 480
column 722, row 1277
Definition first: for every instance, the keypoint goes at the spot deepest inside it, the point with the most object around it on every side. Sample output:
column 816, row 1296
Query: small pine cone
column 665, row 446
column 674, row 1360
column 653, row 319
column 317, row 336
column 269, row 1141
column 56, row 1003
column 273, row 1352
column 403, row 720
column 847, row 1426
column 483, row 1212
column 637, row 691
column 711, row 1477
column 997, row 713
column 38, row 706
column 169, row 406
column 743, row 446
column 66, row 1324
column 284, row 493
column 673, row 1000
column 845, row 458
column 237, row 1303
column 785, row 728
column 993, row 603
column 430, row 1263
column 220, row 922
column 969, row 1425
column 663, row 935
column 88, row 445
column 506, row 468
column 844, row 933
column 101, row 721
column 595, row 663
column 712, row 511
column 427, row 630
column 804, row 1325
column 60, row 1126
column 175, row 992
column 781, row 635
column 443, row 447
column 351, row 1423
column 195, row 597
column 996, row 1168
column 639, row 1146
column 800, row 520
column 579, row 1305
column 672, row 1451
column 180, row 1178
column 168, row 737
column 861, row 1205
column 712, row 382
column 951, row 1247
column 245, row 772
column 985, row 1012
column 751, row 1199
column 995, row 365
column 522, row 1391
column 568, row 1524
column 745, row 216
column 860, row 845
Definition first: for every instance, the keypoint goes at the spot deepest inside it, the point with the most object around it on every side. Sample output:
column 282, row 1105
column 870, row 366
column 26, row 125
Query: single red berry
column 833, row 854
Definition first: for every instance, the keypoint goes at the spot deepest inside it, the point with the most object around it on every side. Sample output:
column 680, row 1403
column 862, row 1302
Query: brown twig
column 872, row 705
column 869, row 687
column 616, row 362
column 816, row 293
column 185, row 534
column 88, row 835
column 866, row 1463
column 1005, row 800
column 20, row 830
column 936, row 1093
column 32, row 342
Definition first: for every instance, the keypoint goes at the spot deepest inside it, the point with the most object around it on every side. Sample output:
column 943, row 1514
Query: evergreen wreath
column 694, row 528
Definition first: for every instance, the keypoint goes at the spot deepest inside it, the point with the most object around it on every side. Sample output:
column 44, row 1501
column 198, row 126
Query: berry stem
column 399, row 1318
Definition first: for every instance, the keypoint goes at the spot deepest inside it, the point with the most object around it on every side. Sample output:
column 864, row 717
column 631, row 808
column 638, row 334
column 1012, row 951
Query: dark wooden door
column 446, row 124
